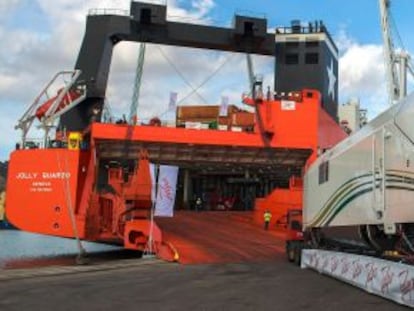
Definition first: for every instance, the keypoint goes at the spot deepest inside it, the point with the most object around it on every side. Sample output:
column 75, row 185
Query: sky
column 41, row 37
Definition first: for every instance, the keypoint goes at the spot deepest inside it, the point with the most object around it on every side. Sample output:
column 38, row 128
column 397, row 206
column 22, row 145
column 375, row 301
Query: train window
column 323, row 172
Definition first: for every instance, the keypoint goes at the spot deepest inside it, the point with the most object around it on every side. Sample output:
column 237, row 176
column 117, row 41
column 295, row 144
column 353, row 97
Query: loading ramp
column 219, row 237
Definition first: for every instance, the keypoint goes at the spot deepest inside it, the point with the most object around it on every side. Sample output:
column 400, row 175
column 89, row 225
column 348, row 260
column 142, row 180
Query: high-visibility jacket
column 267, row 216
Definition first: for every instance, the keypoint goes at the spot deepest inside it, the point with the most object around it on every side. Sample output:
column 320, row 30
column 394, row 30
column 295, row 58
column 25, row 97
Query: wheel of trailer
column 290, row 251
column 298, row 254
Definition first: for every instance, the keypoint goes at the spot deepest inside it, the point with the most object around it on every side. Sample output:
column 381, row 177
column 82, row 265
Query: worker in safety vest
column 198, row 204
column 267, row 216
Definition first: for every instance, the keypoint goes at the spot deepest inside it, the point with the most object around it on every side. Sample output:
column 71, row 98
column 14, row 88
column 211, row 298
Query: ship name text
column 42, row 175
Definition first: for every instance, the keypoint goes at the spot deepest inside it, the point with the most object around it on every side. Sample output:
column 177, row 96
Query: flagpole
column 154, row 200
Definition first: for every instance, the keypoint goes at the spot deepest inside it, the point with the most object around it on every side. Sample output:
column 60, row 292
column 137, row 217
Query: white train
column 361, row 192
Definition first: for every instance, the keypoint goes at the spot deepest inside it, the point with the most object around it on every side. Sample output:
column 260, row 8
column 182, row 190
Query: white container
column 193, row 125
column 236, row 129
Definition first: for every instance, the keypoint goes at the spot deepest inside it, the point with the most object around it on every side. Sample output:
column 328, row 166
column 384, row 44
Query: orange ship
column 109, row 204
column 92, row 180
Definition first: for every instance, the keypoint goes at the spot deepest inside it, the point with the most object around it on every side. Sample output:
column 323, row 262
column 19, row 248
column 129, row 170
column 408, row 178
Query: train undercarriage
column 365, row 239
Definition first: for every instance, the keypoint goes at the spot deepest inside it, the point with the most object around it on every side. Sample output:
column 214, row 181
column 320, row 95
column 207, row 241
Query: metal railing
column 108, row 11
column 58, row 104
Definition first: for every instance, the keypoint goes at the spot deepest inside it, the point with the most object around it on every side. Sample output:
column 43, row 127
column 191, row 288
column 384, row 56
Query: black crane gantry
column 148, row 23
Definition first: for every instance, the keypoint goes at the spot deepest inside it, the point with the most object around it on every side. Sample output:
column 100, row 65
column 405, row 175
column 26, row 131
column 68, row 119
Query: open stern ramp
column 219, row 237
column 212, row 150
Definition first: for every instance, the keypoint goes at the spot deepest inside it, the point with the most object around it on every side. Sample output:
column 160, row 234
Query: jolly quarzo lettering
column 43, row 175
column 26, row 175
column 55, row 175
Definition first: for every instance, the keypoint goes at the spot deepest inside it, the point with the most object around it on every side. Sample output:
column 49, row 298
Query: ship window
column 293, row 44
column 323, row 172
column 146, row 16
column 292, row 59
column 311, row 58
column 311, row 43
column 248, row 29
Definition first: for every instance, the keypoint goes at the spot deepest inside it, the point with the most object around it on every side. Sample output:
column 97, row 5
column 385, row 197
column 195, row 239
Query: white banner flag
column 224, row 106
column 173, row 101
column 167, row 185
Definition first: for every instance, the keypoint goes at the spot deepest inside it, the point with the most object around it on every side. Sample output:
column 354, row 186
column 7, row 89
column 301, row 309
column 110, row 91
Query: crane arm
column 389, row 54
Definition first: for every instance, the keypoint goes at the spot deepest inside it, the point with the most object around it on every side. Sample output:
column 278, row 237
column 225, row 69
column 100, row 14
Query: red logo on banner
column 372, row 273
column 357, row 269
column 334, row 263
column 166, row 189
column 325, row 263
column 406, row 285
column 387, row 277
column 345, row 265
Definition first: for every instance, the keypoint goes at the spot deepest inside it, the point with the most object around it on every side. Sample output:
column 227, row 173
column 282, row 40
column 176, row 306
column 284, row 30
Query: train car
column 360, row 193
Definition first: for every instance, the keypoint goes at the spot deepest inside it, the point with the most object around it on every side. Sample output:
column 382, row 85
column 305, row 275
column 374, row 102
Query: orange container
column 223, row 121
column 242, row 119
column 197, row 112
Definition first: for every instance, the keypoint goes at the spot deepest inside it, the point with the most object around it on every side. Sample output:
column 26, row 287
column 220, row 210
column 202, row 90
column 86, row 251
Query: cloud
column 361, row 69
column 362, row 74
column 30, row 56
column 199, row 77
column 197, row 13
column 8, row 6
column 342, row 39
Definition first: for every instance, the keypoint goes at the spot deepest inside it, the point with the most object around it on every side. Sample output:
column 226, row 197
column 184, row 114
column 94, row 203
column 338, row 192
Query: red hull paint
column 43, row 184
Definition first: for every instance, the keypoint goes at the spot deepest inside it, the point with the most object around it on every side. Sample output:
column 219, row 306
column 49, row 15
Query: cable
column 80, row 259
column 194, row 90
column 395, row 29
column 179, row 73
column 209, row 77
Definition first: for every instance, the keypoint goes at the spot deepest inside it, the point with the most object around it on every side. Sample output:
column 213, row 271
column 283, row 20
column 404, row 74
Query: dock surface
column 229, row 264
column 156, row 285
